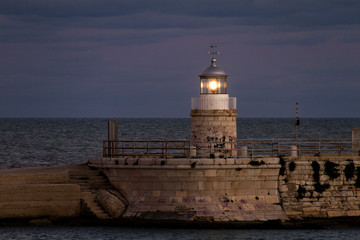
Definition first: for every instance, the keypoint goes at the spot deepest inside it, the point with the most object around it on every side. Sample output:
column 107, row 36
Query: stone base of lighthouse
column 213, row 132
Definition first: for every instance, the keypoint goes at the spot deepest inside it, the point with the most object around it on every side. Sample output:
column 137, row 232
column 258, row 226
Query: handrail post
column 317, row 148
column 272, row 147
column 147, row 148
column 112, row 137
column 122, row 144
column 185, row 148
column 298, row 148
column 252, row 147
column 105, row 149
column 133, row 148
column 166, row 149
column 163, row 151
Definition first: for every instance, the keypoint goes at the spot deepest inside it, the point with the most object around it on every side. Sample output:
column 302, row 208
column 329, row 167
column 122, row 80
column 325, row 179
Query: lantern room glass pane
column 203, row 85
column 214, row 85
column 222, row 85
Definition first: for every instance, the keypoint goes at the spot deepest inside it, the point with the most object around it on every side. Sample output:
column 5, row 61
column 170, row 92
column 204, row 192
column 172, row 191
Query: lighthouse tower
column 213, row 115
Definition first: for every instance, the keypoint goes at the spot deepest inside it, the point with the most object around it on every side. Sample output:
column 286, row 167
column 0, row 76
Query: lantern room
column 213, row 80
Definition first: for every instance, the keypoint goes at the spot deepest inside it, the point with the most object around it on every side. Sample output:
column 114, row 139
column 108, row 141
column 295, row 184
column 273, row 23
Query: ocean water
column 109, row 233
column 44, row 142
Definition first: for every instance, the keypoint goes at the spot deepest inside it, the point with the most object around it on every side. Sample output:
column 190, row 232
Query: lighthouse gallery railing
column 243, row 148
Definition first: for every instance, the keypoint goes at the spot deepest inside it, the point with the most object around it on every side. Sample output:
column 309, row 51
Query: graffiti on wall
column 221, row 145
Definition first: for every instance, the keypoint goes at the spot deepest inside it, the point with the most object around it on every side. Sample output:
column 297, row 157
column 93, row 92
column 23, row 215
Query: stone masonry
column 212, row 131
column 212, row 190
column 65, row 191
column 38, row 193
column 320, row 187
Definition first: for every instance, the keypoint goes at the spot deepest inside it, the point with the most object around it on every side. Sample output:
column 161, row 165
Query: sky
column 141, row 58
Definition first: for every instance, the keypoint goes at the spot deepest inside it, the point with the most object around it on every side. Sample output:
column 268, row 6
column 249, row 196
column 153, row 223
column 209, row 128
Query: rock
column 111, row 203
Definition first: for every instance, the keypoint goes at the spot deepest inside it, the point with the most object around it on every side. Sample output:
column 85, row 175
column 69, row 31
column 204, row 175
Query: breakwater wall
column 240, row 189
column 215, row 190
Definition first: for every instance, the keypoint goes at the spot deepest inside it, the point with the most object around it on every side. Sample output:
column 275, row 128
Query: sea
column 33, row 142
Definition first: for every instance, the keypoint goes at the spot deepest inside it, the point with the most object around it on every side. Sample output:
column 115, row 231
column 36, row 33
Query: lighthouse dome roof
column 213, row 70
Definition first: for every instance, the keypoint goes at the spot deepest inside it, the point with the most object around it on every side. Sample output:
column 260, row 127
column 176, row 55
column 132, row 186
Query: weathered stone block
column 132, row 162
column 190, row 186
column 230, row 161
column 222, row 185
column 310, row 210
column 178, row 161
column 272, row 199
column 221, row 173
column 242, row 161
column 246, row 185
column 204, row 161
column 269, row 184
column 353, row 213
column 271, row 178
column 166, row 186
column 178, row 173
column 283, row 188
column 147, row 161
column 196, row 173
column 270, row 172
column 335, row 213
column 39, row 200
column 180, row 193
column 220, row 161
column 148, row 173
column 210, row 172
column 251, row 171
column 111, row 203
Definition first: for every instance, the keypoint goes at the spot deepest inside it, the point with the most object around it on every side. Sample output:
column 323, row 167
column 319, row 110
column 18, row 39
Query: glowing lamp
column 213, row 80
column 213, row 85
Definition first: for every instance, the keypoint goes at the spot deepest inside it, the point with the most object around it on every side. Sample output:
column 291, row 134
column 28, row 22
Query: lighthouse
column 213, row 115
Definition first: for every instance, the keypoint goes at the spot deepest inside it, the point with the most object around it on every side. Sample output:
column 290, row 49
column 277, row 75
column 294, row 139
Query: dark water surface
column 97, row 233
column 44, row 142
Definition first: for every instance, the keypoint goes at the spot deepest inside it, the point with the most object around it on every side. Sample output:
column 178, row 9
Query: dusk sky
column 141, row 58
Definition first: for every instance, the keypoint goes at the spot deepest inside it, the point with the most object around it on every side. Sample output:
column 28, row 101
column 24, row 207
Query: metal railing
column 146, row 148
column 241, row 148
column 313, row 147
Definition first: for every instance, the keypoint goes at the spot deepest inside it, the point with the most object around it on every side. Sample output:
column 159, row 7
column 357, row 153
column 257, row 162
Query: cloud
column 80, row 57
column 275, row 12
column 131, row 21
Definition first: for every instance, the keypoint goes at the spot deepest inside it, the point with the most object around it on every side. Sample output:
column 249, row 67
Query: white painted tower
column 213, row 115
